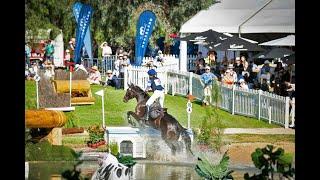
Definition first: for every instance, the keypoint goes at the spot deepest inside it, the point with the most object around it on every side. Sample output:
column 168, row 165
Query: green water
column 141, row 171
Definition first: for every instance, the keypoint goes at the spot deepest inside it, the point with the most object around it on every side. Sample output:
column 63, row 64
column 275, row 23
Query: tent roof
column 286, row 41
column 226, row 16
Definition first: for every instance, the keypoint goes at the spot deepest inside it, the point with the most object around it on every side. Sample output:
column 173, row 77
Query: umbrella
column 274, row 53
column 289, row 59
column 234, row 43
column 286, row 41
column 205, row 37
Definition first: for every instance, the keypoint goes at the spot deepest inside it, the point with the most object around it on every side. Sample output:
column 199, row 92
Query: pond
column 143, row 170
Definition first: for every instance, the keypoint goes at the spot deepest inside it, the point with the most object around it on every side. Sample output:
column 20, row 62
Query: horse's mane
column 140, row 91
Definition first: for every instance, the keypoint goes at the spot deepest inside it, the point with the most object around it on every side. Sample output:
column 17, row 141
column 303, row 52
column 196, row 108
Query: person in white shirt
column 80, row 67
column 106, row 52
column 243, row 84
column 94, row 76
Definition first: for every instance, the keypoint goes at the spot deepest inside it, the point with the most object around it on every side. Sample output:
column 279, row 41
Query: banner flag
column 87, row 38
column 84, row 18
column 145, row 25
column 99, row 93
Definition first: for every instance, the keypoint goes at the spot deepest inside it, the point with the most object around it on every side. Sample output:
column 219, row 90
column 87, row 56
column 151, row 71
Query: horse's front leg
column 135, row 116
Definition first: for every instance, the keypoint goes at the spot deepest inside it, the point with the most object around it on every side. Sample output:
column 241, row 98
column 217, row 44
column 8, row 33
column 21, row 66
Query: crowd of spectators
column 275, row 76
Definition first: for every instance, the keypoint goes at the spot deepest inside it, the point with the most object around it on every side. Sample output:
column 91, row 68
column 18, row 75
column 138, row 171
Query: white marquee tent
column 245, row 16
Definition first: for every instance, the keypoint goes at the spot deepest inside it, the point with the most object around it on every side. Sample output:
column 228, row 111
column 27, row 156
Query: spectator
column 72, row 47
column 244, row 63
column 112, row 80
column 233, row 73
column 67, row 57
column 265, row 85
column 207, row 79
column 49, row 50
column 106, row 52
column 126, row 60
column 211, row 60
column 80, row 68
column 49, row 69
column 94, row 76
column 243, row 84
column 224, row 63
column 159, row 58
column 290, row 88
column 253, row 70
column 228, row 79
column 238, row 68
column 27, row 51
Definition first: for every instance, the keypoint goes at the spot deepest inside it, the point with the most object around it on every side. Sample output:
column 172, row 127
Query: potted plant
column 96, row 135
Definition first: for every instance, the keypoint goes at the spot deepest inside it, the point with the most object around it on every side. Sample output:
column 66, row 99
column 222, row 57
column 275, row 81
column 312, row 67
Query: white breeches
column 155, row 95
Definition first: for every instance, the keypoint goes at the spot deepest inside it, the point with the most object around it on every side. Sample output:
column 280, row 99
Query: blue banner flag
column 145, row 25
column 82, row 26
column 87, row 38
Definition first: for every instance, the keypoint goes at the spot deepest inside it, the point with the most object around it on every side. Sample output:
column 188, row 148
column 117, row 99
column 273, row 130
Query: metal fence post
column 233, row 95
column 286, row 116
column 190, row 82
column 259, row 103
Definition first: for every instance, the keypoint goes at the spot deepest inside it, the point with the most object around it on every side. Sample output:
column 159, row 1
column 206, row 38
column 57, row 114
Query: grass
column 115, row 110
column 44, row 151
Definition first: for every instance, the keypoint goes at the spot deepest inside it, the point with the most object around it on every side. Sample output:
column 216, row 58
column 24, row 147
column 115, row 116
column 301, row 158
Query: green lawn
column 115, row 110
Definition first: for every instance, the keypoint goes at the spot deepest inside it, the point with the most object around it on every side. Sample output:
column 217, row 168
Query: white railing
column 252, row 103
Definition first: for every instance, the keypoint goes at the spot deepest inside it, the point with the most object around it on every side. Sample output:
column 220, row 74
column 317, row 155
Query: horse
column 171, row 130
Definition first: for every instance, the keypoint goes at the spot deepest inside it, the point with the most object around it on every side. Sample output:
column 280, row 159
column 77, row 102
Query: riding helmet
column 152, row 72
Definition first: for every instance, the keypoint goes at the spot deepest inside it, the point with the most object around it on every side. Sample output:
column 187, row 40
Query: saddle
column 155, row 112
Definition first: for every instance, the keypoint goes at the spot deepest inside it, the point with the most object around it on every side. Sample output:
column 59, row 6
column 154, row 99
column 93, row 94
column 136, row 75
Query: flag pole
column 103, row 120
column 70, row 84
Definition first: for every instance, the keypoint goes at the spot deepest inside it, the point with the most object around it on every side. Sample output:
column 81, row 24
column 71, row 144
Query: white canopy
column 245, row 16
column 286, row 41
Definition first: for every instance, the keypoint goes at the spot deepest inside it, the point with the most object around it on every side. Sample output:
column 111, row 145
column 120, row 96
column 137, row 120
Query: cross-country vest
column 155, row 84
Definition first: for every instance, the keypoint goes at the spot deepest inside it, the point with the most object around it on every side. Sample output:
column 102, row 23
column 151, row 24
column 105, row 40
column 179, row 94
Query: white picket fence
column 253, row 103
column 170, row 62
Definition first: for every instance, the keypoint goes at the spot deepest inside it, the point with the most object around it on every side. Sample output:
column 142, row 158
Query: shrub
column 114, row 149
column 209, row 170
column 271, row 163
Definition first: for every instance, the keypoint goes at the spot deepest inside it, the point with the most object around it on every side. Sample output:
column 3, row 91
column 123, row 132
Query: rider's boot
column 146, row 114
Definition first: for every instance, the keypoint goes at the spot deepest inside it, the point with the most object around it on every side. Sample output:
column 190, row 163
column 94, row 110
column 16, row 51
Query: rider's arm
column 148, row 86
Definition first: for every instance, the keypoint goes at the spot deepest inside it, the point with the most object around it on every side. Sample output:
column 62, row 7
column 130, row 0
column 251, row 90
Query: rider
column 155, row 84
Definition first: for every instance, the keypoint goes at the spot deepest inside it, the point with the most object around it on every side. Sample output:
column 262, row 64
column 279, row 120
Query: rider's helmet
column 152, row 72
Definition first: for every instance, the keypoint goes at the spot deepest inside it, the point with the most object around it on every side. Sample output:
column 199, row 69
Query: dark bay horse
column 171, row 130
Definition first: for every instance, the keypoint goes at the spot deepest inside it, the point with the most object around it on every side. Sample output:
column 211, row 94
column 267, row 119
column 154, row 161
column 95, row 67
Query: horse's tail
column 186, row 138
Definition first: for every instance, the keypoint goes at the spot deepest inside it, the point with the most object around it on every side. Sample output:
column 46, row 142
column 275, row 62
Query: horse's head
column 131, row 93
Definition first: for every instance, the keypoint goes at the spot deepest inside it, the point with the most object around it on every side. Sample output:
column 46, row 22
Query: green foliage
column 44, row 151
column 211, row 129
column 72, row 120
column 95, row 133
column 271, row 163
column 211, row 171
column 126, row 160
column 113, row 20
column 114, row 149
